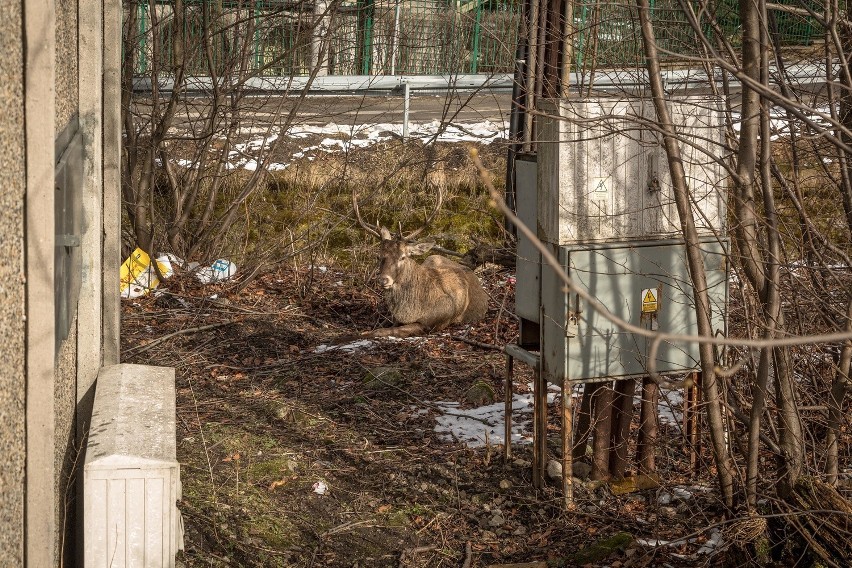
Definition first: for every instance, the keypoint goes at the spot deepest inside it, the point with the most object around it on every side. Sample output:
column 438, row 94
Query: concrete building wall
column 67, row 64
column 12, row 327
column 65, row 452
column 66, row 124
column 58, row 79
column 51, row 99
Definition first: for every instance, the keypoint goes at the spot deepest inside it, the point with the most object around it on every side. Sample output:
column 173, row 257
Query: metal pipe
column 567, row 442
column 522, row 354
column 406, row 94
column 516, row 117
column 539, row 428
column 507, row 418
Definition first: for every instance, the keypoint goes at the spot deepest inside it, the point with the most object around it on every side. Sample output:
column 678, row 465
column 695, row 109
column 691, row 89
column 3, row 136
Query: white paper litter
column 347, row 347
column 221, row 269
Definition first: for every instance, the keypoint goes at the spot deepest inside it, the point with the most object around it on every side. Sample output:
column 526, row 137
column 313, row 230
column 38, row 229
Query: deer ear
column 420, row 248
column 386, row 236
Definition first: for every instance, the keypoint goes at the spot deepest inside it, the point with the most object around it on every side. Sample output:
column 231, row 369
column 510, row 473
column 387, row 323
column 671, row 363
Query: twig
column 500, row 312
column 409, row 552
column 155, row 342
column 347, row 526
column 430, row 523
column 433, row 405
column 206, row 450
column 446, row 251
column 477, row 343
column 468, row 555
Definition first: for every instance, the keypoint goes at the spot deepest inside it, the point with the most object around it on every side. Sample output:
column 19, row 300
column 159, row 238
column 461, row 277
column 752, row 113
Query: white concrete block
column 131, row 475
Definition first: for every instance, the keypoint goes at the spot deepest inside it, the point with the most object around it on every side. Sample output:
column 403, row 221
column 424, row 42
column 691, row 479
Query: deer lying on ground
column 427, row 297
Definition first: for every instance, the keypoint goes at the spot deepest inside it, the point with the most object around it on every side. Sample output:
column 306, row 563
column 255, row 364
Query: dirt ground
column 265, row 420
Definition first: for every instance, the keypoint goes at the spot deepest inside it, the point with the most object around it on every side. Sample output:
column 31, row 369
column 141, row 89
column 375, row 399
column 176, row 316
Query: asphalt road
column 459, row 107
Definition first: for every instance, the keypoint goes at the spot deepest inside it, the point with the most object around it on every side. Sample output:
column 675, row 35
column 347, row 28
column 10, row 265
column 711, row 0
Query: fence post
column 319, row 51
column 395, row 39
column 477, row 33
column 406, row 94
column 258, row 50
column 367, row 46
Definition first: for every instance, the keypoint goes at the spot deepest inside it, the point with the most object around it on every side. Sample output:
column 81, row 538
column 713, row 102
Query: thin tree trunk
column 648, row 426
column 601, row 432
column 839, row 389
column 584, row 420
column 695, row 260
column 622, row 416
column 770, row 300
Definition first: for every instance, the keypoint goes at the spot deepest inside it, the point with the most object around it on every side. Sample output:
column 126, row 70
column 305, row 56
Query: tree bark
column 648, row 426
column 601, row 432
column 622, row 416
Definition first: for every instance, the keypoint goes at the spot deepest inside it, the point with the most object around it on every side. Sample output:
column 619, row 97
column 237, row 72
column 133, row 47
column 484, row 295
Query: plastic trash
column 138, row 276
column 221, row 269
column 320, row 488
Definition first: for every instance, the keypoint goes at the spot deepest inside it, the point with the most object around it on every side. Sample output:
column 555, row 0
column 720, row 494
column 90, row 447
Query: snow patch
column 713, row 542
column 670, row 407
column 344, row 137
column 476, row 426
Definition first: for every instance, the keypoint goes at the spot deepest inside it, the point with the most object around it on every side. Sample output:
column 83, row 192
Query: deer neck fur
column 405, row 297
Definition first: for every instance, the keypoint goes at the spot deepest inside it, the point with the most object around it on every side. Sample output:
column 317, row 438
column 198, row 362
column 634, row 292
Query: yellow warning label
column 649, row 301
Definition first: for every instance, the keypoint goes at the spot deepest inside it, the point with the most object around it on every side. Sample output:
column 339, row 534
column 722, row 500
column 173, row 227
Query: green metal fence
column 410, row 37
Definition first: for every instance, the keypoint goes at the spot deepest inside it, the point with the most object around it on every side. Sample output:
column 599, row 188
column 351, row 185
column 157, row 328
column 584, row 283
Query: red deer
column 426, row 297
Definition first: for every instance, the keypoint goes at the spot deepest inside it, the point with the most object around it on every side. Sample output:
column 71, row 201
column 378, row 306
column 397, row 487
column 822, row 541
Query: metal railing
column 365, row 37
column 274, row 38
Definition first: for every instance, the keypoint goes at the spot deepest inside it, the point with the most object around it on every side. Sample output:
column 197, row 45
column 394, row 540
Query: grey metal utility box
column 528, row 265
column 603, row 174
column 582, row 345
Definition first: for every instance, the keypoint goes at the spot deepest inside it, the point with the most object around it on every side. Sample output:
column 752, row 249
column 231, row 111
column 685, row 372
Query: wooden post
column 622, row 416
column 567, row 446
column 539, row 428
column 691, row 423
column 648, row 420
column 602, row 429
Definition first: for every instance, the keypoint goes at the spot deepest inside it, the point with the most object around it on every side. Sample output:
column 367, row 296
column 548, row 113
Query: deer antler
column 372, row 229
column 431, row 216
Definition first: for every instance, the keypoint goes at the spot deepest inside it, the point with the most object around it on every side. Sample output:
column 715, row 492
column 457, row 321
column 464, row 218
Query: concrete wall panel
column 12, row 326
column 67, row 98
column 65, row 446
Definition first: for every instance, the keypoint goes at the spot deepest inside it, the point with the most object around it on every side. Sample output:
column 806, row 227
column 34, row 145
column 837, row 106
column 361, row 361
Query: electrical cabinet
column 603, row 174
column 528, row 265
column 646, row 284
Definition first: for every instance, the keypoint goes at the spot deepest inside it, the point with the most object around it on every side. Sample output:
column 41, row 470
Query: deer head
column 395, row 250
column 395, row 256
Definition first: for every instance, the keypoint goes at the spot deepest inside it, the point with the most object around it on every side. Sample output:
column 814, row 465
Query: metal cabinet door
column 583, row 345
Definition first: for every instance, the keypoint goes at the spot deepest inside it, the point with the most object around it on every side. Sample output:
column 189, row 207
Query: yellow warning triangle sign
column 649, row 297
